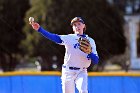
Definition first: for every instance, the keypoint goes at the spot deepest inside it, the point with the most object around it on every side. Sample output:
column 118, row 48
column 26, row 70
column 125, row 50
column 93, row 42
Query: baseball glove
column 84, row 45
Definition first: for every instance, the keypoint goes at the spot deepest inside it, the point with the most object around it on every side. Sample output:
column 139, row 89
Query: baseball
column 31, row 19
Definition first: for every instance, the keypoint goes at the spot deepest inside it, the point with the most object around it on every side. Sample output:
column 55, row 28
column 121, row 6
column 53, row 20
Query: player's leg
column 68, row 85
column 81, row 82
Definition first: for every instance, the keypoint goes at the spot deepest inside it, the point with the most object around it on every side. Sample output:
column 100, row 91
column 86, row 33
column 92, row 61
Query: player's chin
column 76, row 32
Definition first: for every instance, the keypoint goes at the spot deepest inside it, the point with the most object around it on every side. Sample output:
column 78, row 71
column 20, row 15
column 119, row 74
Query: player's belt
column 72, row 68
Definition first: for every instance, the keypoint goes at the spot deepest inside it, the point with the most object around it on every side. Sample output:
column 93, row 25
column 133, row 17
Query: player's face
column 78, row 27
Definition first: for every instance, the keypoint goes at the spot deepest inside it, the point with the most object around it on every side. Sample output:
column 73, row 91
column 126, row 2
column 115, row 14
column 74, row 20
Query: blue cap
column 77, row 19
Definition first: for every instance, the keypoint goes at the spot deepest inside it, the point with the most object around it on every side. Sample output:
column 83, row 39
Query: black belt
column 72, row 68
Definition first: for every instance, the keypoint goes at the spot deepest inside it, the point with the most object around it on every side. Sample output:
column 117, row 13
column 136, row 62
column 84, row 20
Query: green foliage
column 38, row 11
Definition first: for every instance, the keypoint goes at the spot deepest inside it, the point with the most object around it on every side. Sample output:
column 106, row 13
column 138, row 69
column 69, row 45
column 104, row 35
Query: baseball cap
column 77, row 19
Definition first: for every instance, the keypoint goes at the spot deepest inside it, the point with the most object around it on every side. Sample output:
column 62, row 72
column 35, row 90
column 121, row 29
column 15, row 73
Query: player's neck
column 78, row 33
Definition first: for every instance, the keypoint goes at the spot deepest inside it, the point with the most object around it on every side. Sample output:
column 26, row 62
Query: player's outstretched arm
column 53, row 37
column 45, row 33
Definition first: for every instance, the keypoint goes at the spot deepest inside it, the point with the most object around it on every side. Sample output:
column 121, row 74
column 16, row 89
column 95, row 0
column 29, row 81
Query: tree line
column 18, row 40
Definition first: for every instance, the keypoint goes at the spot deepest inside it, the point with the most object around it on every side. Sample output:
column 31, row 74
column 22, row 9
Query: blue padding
column 131, row 84
column 41, row 84
column 16, row 84
column 52, row 84
column 105, row 84
column 5, row 86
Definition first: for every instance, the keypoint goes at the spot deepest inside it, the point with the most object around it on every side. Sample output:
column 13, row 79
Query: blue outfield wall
column 50, row 82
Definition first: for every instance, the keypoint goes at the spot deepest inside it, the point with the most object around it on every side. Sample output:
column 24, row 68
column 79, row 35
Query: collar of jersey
column 84, row 35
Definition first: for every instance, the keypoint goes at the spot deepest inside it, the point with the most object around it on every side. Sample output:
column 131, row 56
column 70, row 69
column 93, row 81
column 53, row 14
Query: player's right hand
column 35, row 25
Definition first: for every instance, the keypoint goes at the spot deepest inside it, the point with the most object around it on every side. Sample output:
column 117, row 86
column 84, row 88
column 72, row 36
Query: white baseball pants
column 70, row 78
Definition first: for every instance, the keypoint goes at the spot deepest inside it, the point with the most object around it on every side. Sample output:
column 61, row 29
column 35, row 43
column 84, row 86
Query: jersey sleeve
column 64, row 39
column 93, row 45
column 53, row 37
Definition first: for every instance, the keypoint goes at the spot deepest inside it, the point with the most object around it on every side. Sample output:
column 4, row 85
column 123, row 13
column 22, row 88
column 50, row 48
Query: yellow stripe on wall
column 113, row 74
column 52, row 73
column 57, row 73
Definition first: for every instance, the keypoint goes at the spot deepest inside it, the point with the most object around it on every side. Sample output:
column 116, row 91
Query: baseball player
column 80, row 52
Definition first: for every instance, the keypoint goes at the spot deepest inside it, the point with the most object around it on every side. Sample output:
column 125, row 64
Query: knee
column 83, row 91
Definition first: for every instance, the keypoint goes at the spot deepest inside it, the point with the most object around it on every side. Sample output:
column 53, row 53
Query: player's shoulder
column 68, row 36
column 91, row 39
column 72, row 35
